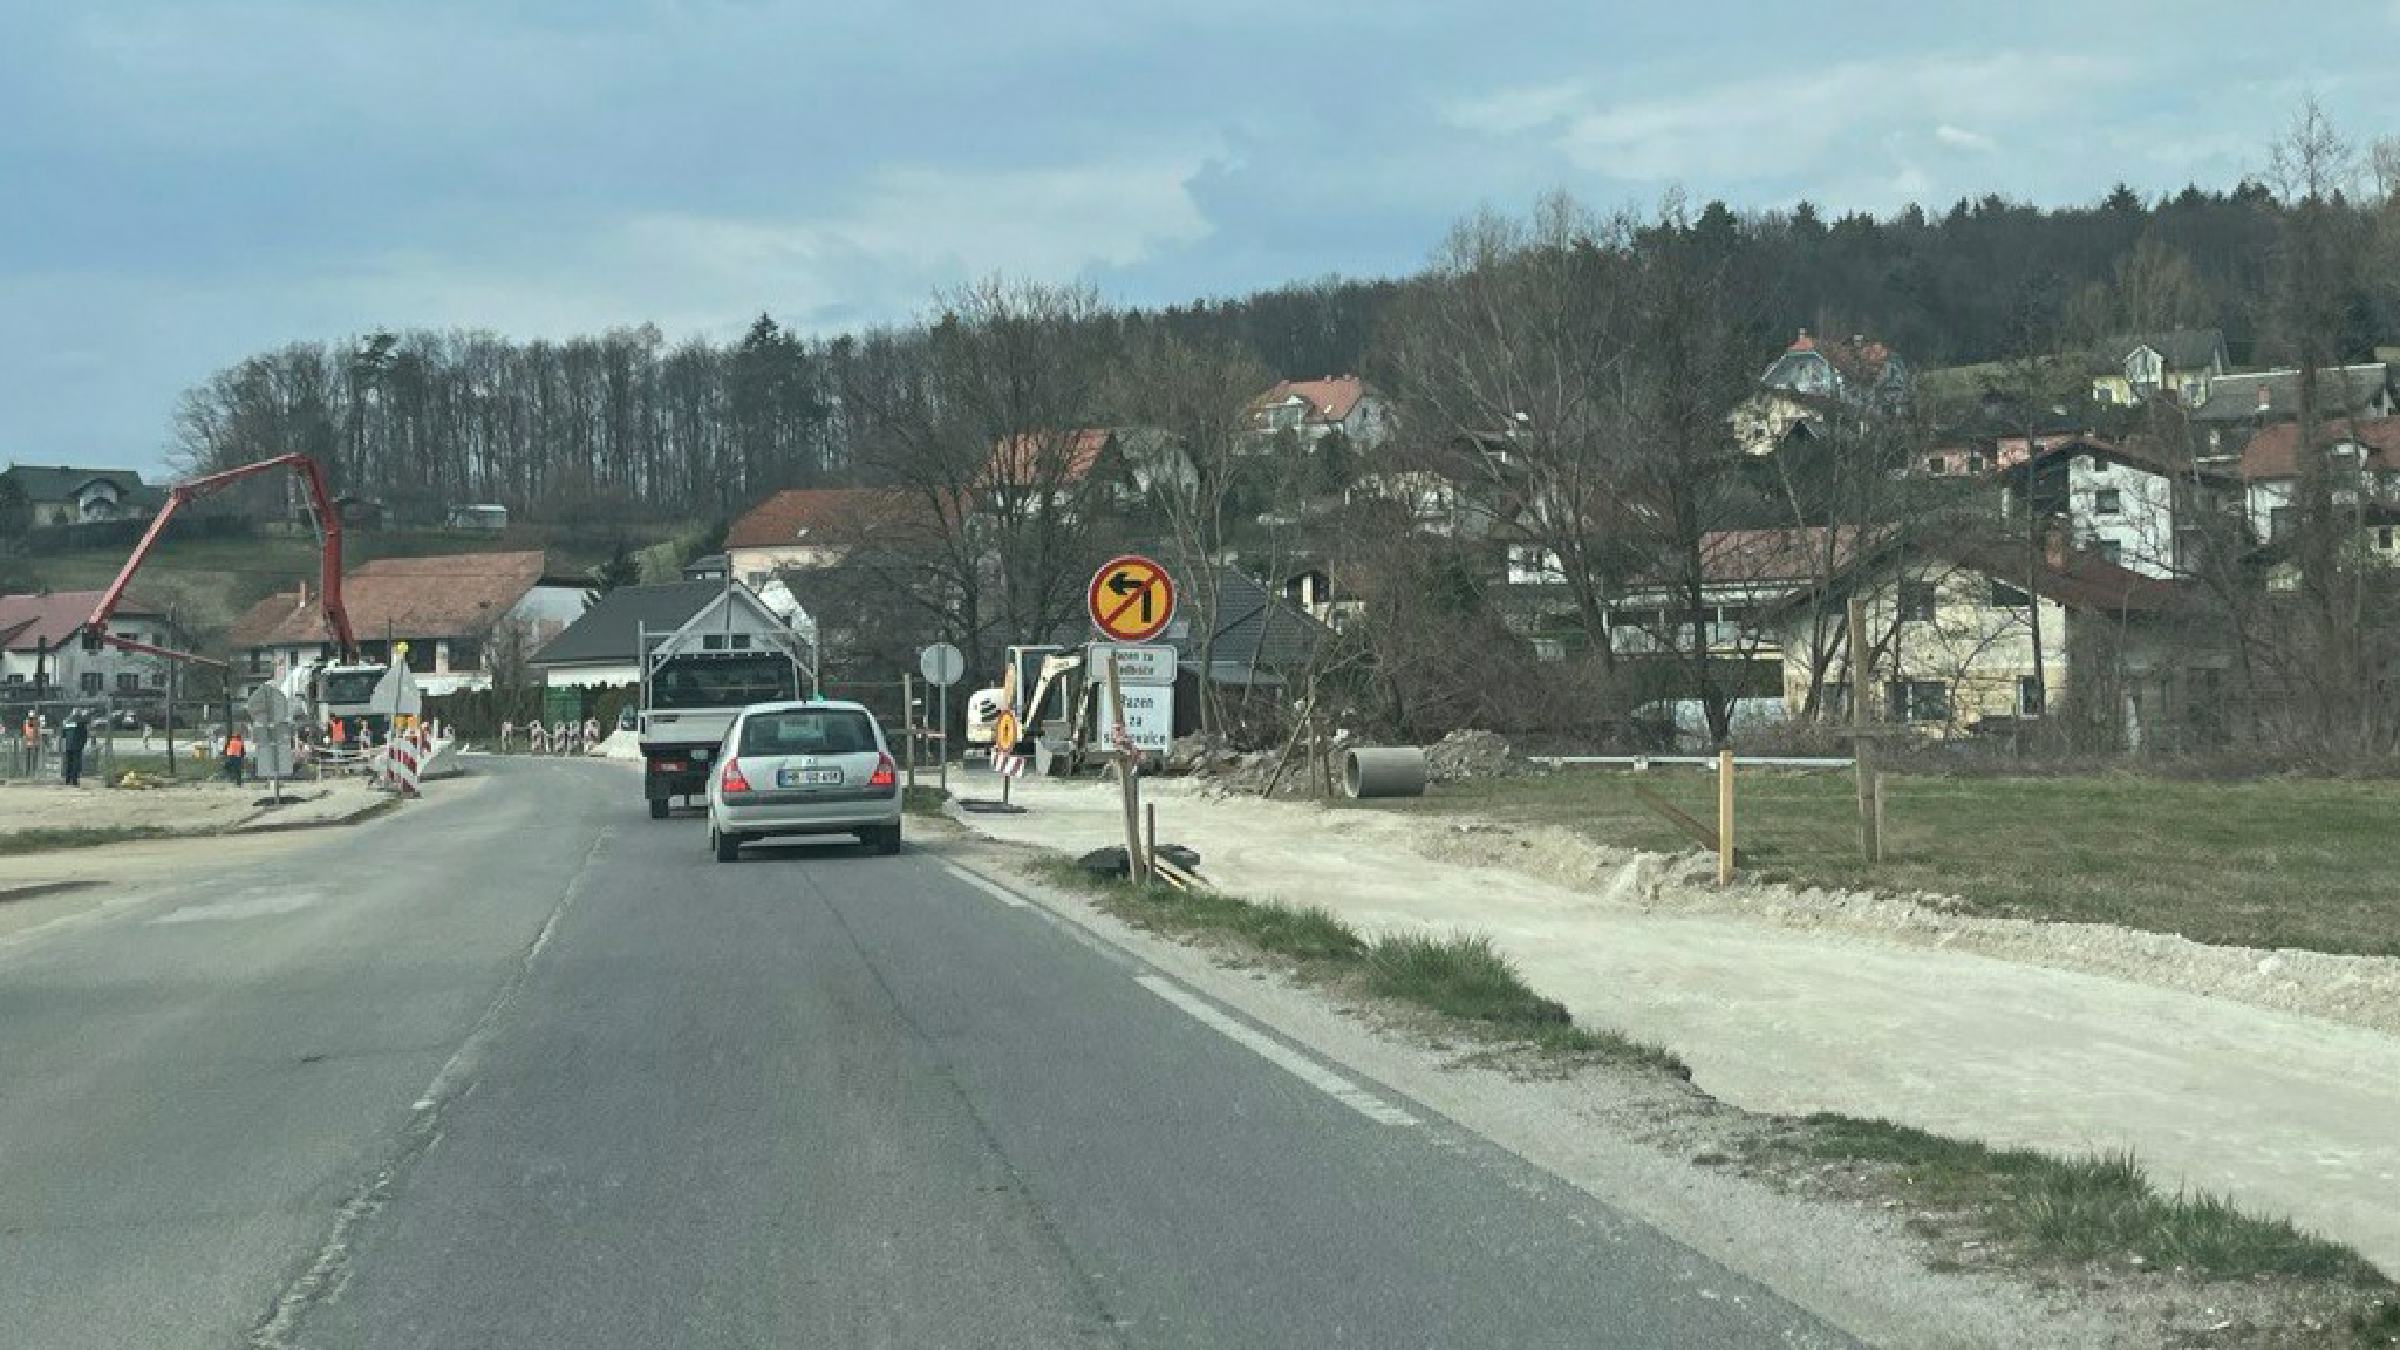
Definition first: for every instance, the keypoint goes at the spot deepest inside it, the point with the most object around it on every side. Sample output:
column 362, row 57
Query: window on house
column 16, row 677
column 90, row 682
column 466, row 654
column 1976, row 462
column 1916, row 601
column 158, row 679
column 712, row 642
column 1939, row 464
column 1920, row 700
column 2108, row 502
column 2112, row 550
column 258, row 660
column 2029, row 696
column 129, row 682
column 2383, row 538
column 2280, row 521
column 740, row 641
column 2005, row 596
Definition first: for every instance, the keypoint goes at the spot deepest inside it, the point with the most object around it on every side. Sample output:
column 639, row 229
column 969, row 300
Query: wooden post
column 1862, row 741
column 1724, row 817
column 908, row 719
column 1137, row 864
column 1150, row 828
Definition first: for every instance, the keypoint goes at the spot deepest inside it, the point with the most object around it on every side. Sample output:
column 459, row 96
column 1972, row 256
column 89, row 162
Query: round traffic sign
column 1004, row 732
column 1131, row 598
column 941, row 664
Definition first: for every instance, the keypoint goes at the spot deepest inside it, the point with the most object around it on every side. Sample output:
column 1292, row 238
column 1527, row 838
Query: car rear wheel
column 885, row 840
column 658, row 808
column 725, row 846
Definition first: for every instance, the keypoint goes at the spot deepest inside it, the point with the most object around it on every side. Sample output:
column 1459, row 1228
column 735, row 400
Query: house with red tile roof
column 453, row 611
column 2362, row 468
column 1951, row 630
column 1311, row 410
column 41, row 648
column 798, row 529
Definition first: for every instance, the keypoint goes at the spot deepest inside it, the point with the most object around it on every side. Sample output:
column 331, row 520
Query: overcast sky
column 183, row 182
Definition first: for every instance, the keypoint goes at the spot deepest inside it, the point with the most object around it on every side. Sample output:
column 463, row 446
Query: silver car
column 803, row 768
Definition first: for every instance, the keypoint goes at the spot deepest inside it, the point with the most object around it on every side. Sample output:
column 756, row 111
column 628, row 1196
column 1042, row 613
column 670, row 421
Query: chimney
column 2266, row 401
column 304, row 595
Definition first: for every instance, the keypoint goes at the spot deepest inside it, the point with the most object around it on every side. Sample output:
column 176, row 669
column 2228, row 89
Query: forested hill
column 625, row 423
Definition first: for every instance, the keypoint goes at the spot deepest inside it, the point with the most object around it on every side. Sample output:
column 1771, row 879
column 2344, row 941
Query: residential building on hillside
column 2119, row 502
column 1111, row 466
column 1953, row 643
column 1311, row 410
column 459, row 614
column 2241, row 402
column 2362, row 469
column 42, row 655
column 1745, row 574
column 63, row 495
column 603, row 646
column 1814, row 380
column 801, row 529
column 2182, row 362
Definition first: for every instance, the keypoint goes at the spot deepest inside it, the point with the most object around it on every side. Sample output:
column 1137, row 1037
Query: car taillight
column 664, row 766
column 732, row 780
column 886, row 773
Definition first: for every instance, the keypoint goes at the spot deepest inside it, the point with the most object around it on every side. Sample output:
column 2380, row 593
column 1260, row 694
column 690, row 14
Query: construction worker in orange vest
column 234, row 752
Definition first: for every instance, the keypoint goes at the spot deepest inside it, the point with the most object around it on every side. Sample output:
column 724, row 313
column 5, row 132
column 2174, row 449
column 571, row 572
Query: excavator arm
column 329, row 555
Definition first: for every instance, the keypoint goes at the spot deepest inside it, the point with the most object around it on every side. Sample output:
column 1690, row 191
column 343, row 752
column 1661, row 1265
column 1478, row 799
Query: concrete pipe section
column 1388, row 771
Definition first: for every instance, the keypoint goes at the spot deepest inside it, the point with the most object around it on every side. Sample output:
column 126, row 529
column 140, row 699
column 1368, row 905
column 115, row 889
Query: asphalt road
column 527, row 1069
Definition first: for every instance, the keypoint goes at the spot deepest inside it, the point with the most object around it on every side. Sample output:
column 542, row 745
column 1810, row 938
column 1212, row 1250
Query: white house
column 62, row 495
column 2119, row 503
column 40, row 641
column 2362, row 466
column 1314, row 409
column 456, row 613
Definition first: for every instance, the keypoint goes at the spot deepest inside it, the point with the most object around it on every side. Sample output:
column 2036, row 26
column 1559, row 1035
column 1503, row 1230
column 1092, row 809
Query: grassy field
column 2267, row 863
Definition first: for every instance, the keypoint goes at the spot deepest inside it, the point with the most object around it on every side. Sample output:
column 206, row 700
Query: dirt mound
column 1468, row 753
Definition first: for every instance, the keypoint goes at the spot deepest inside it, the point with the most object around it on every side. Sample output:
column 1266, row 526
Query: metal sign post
column 942, row 664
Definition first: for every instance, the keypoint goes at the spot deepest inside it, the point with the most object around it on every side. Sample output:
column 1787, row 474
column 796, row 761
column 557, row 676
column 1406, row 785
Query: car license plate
column 807, row 777
column 703, row 756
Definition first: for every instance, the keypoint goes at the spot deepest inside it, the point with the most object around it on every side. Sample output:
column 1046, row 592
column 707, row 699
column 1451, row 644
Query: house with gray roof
column 2182, row 362
column 604, row 646
column 61, row 494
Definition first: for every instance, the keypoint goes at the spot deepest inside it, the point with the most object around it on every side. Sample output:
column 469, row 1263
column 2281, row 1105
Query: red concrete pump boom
column 329, row 562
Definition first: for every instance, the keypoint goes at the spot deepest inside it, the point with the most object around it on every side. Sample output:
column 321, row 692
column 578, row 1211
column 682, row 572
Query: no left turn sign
column 1131, row 599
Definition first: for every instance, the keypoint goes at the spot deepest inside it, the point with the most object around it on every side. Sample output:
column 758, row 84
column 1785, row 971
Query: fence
column 133, row 735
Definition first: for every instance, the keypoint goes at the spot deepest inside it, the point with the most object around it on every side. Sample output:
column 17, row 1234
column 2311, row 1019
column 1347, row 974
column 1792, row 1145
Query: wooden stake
column 1862, row 742
column 1137, row 863
column 1150, row 824
column 1724, row 817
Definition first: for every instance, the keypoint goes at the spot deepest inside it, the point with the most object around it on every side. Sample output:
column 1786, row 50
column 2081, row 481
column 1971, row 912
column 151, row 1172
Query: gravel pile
column 1467, row 753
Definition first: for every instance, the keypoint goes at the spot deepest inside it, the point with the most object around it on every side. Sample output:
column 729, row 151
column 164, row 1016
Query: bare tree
column 1189, row 404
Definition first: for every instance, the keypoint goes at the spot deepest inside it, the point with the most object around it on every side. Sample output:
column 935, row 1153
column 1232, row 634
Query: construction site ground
column 2273, row 1077
column 189, row 806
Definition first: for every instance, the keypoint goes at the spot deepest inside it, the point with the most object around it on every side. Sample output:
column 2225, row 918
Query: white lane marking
column 997, row 892
column 1277, row 1053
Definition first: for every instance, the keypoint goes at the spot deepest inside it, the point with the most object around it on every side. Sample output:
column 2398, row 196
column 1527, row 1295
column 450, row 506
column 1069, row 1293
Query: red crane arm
column 329, row 560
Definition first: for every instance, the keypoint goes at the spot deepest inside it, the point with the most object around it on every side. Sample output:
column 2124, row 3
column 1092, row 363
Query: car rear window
column 808, row 731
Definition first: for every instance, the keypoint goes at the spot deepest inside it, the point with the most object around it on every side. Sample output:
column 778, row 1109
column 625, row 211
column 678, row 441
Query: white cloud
column 878, row 256
column 1964, row 139
column 1778, row 126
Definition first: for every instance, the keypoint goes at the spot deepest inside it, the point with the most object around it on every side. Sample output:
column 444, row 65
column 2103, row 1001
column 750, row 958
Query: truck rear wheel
column 658, row 808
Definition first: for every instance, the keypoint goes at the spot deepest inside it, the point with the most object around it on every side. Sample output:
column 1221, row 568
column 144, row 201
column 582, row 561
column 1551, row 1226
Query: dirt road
column 2287, row 1113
